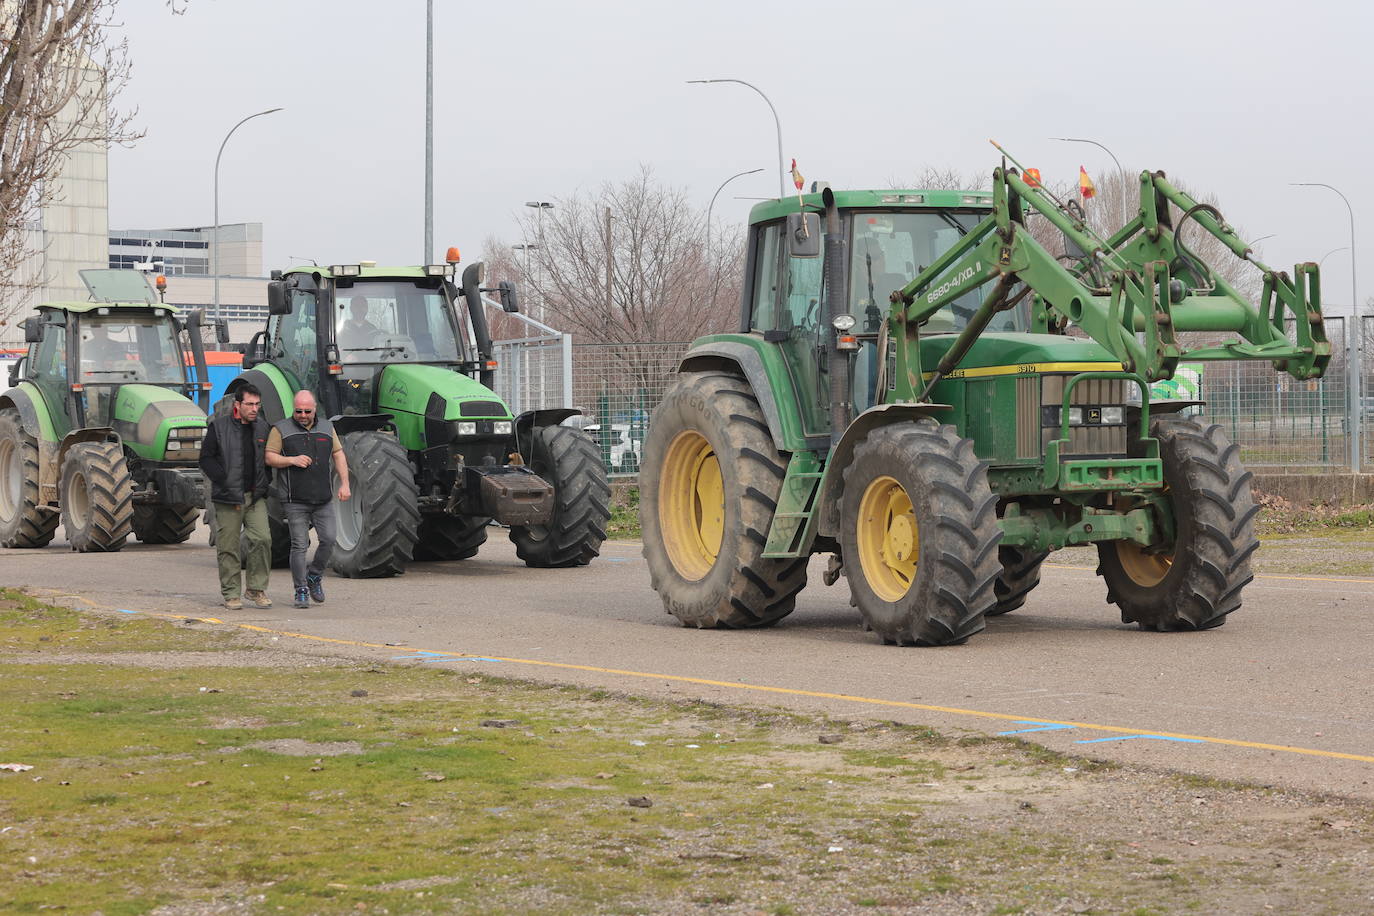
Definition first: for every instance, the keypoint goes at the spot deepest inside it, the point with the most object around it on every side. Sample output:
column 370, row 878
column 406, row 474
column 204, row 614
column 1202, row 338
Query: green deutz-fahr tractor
column 433, row 454
column 938, row 441
column 102, row 431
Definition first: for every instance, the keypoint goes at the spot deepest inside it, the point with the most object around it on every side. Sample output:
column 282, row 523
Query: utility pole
column 610, row 270
column 429, row 132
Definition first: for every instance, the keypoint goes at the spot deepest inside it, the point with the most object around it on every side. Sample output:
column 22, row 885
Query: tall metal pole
column 1125, row 188
column 429, row 132
column 1354, row 335
column 782, row 167
column 610, row 268
column 214, row 250
column 710, row 256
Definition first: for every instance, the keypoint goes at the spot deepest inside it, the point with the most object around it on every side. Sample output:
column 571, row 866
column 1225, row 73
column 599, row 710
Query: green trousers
column 251, row 520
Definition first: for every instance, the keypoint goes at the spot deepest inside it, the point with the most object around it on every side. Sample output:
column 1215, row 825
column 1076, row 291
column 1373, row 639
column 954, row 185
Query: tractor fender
column 89, row 434
column 724, row 354
column 22, row 400
column 832, row 485
column 273, row 407
column 363, row 422
column 1160, row 406
column 530, row 420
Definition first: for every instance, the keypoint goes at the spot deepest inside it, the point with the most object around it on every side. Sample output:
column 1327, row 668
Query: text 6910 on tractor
column 400, row 359
column 102, row 432
column 940, row 435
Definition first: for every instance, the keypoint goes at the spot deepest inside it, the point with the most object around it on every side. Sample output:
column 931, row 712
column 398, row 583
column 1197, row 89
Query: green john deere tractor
column 102, row 431
column 400, row 359
column 938, row 441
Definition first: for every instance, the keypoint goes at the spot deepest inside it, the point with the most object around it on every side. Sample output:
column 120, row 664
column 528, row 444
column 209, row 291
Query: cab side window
column 297, row 339
column 763, row 309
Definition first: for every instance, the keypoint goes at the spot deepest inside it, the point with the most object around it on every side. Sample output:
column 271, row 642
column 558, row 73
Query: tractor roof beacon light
column 452, row 257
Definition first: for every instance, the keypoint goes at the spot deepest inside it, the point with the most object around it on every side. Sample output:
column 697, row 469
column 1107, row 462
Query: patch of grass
column 624, row 522
column 279, row 790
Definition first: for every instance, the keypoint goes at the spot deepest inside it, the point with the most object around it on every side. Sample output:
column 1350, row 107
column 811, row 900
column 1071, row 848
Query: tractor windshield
column 891, row 248
column 119, row 348
column 383, row 320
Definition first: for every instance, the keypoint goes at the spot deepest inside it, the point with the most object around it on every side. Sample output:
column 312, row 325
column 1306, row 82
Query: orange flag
column 1085, row 184
column 796, row 176
column 1033, row 177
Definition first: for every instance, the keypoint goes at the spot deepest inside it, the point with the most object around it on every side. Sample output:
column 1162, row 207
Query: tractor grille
column 482, row 409
column 1092, row 435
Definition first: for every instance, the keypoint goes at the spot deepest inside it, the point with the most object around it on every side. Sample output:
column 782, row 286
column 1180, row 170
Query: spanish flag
column 1085, row 184
column 796, row 176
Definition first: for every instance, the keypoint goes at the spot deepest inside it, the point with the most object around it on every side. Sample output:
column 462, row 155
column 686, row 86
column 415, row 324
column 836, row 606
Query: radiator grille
column 481, row 409
column 1028, row 417
column 1095, row 392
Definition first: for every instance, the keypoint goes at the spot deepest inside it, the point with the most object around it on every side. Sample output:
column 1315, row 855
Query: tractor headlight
column 502, row 427
column 1113, row 416
column 467, row 428
column 1075, row 416
column 173, row 445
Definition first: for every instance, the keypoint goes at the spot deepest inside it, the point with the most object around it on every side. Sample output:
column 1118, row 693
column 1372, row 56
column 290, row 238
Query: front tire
column 569, row 460
column 1198, row 583
column 709, row 486
column 1020, row 573
column 919, row 535
column 97, row 497
column 450, row 537
column 24, row 521
column 378, row 525
column 154, row 524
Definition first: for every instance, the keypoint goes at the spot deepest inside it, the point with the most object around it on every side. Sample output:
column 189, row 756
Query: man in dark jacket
column 233, row 457
column 301, row 446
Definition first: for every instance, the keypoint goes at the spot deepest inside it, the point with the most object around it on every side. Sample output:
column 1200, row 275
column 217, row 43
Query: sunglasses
column 303, row 410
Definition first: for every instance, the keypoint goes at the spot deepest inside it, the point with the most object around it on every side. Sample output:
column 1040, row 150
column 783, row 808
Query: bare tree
column 60, row 72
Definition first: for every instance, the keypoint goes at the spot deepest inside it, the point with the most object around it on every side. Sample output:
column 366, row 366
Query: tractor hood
column 437, row 393
column 145, row 417
column 1023, row 352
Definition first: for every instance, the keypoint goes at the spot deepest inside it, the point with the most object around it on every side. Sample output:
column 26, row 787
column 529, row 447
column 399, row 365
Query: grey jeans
column 300, row 517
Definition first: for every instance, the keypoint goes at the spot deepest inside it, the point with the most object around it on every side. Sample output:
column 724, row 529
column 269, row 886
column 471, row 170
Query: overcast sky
column 538, row 100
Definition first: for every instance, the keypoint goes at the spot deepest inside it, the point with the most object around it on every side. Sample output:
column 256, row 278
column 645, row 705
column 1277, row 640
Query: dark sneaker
column 302, row 597
column 316, row 584
column 259, row 599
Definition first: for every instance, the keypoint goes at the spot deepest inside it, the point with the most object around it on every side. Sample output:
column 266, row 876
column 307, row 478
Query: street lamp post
column 1119, row 169
column 215, row 242
column 710, row 256
column 1330, row 253
column 782, row 169
column 1354, row 335
column 539, row 207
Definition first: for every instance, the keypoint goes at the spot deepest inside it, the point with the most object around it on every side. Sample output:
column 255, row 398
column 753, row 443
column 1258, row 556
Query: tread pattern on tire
column 389, row 505
column 1215, row 534
column 749, row 590
column 158, row 524
column 450, row 537
column 109, row 495
column 958, row 565
column 1020, row 574
column 568, row 459
column 32, row 525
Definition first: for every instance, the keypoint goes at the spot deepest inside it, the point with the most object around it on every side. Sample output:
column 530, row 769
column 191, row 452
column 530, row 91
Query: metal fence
column 1279, row 422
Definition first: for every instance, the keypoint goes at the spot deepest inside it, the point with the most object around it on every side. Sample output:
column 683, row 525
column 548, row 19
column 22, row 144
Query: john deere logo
column 1094, row 414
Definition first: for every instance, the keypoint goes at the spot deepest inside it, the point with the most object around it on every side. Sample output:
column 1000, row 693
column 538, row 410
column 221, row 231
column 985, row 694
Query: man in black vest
column 233, row 458
column 301, row 446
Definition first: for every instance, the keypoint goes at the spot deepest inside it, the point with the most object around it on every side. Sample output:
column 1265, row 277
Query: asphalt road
column 1280, row 695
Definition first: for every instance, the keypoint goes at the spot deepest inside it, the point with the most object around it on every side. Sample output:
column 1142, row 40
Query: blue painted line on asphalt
column 1041, row 727
column 1129, row 737
column 461, row 658
column 125, row 611
column 422, row 654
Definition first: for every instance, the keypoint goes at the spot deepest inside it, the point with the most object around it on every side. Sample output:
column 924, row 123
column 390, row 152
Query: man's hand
column 301, row 461
column 344, row 492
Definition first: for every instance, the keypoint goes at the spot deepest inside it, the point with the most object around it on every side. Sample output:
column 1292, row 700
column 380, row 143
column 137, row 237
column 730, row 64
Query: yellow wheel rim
column 1145, row 569
column 888, row 538
column 691, row 505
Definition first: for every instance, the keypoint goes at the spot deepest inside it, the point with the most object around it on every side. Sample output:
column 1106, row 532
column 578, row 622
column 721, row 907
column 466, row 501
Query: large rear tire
column 1198, row 583
column 379, row 524
column 919, row 535
column 24, row 521
column 709, row 486
column 1020, row 573
column 97, row 497
column 155, row 524
column 450, row 537
column 569, row 460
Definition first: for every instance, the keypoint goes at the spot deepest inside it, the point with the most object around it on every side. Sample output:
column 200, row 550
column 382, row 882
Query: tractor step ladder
column 794, row 522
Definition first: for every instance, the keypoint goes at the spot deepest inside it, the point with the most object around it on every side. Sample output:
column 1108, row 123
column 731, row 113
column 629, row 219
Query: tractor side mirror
column 804, row 235
column 222, row 330
column 33, row 331
column 17, row 370
column 277, row 303
column 509, row 300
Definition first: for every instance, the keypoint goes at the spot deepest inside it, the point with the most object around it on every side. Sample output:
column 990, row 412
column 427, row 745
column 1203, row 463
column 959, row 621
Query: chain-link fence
column 1279, row 421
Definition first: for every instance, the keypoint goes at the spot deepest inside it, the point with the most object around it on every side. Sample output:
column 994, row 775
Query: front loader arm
column 1132, row 293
